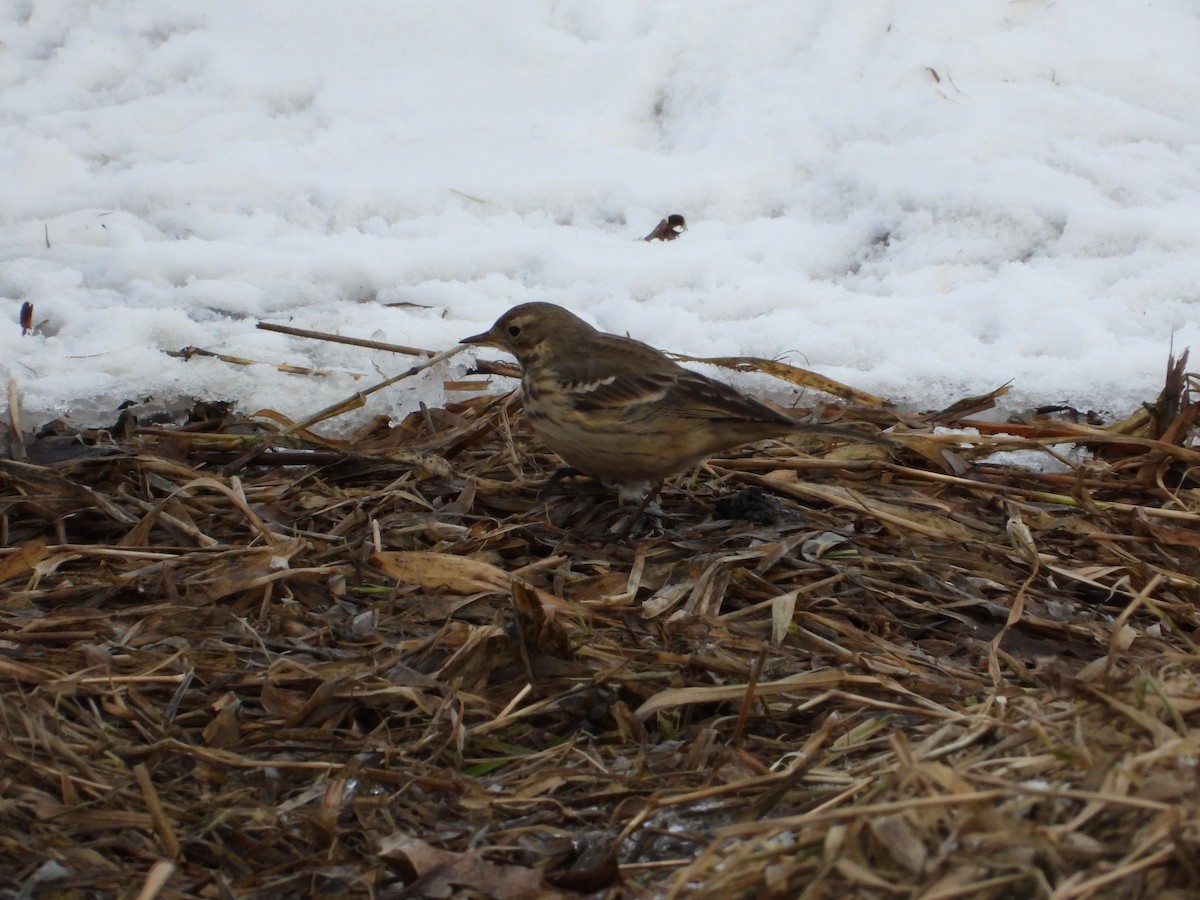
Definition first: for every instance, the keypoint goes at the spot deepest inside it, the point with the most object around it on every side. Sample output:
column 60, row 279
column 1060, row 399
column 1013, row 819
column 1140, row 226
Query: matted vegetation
column 243, row 664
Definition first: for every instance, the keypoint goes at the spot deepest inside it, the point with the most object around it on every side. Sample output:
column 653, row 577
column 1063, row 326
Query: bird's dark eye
column 514, row 330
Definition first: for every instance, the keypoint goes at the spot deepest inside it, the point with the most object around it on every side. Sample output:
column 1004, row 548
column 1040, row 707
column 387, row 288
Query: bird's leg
column 654, row 490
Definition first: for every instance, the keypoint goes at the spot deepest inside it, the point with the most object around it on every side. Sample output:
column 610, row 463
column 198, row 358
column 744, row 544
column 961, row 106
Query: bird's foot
column 550, row 485
column 626, row 530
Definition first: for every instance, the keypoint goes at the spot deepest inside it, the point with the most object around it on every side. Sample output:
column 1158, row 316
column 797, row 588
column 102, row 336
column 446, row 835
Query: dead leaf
column 23, row 559
column 540, row 628
column 900, row 839
column 442, row 571
column 431, row 872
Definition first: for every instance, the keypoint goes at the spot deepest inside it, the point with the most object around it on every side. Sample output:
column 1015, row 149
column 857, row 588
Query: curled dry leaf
column 437, row 873
column 23, row 559
column 442, row 571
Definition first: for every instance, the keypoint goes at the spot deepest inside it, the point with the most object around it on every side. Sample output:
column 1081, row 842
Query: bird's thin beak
column 487, row 337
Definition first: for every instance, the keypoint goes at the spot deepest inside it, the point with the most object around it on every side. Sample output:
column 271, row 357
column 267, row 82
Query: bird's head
column 525, row 331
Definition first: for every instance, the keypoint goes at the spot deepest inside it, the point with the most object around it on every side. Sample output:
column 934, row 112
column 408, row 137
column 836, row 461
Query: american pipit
column 621, row 411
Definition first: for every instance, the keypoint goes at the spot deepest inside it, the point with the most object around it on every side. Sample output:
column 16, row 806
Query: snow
column 923, row 199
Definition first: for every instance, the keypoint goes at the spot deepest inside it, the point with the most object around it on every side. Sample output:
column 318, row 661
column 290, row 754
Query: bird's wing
column 641, row 384
column 639, row 393
column 612, row 374
column 693, row 394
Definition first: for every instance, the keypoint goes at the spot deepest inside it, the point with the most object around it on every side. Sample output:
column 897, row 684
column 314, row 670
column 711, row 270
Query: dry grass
column 243, row 664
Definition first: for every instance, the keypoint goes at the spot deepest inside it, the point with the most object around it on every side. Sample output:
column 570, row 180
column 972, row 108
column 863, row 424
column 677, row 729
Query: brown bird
column 668, row 229
column 621, row 411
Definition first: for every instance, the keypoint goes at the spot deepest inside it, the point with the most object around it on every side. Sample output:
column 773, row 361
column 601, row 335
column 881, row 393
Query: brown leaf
column 281, row 702
column 442, row 571
column 900, row 839
column 589, row 879
column 251, row 569
column 431, row 872
column 540, row 629
column 23, row 559
column 223, row 731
